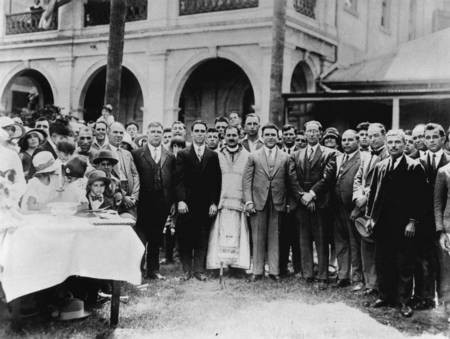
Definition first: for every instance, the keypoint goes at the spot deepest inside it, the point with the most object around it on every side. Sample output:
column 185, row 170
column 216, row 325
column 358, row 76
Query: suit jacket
column 284, row 149
column 399, row 191
column 442, row 199
column 345, row 175
column 258, row 180
column 126, row 170
column 363, row 177
column 259, row 144
column 318, row 175
column 145, row 166
column 197, row 183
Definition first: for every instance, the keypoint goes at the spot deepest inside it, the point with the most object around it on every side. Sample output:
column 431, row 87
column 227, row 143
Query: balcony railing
column 203, row 6
column 98, row 12
column 28, row 22
column 305, row 7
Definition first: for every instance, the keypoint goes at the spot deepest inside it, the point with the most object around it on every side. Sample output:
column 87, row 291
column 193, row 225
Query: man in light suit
column 156, row 168
column 125, row 169
column 395, row 211
column 315, row 168
column 361, row 185
column 346, row 237
column 265, row 185
column 426, row 271
column 252, row 141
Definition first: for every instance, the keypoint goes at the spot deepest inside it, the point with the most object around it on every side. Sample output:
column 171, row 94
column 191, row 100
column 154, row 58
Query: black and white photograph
column 225, row 169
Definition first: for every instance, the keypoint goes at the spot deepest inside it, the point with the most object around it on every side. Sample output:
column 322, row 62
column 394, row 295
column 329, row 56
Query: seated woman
column 75, row 183
column 28, row 144
column 42, row 187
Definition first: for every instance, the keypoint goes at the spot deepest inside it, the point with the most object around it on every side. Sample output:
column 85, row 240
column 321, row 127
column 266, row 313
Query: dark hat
column 108, row 107
column 41, row 133
column 75, row 168
column 360, row 224
column 105, row 155
column 331, row 132
column 98, row 175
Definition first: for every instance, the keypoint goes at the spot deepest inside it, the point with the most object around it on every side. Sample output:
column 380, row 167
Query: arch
column 24, row 67
column 17, row 86
column 181, row 77
column 302, row 78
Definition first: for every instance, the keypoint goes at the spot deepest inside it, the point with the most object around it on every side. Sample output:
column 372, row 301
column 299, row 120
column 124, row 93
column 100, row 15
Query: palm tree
column 115, row 53
column 276, row 114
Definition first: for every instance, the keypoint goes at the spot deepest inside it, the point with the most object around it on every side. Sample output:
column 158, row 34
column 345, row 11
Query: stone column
column 64, row 83
column 263, row 111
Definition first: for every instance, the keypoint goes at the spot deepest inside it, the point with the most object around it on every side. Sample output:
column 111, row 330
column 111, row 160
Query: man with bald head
column 346, row 238
column 84, row 143
column 125, row 169
column 418, row 135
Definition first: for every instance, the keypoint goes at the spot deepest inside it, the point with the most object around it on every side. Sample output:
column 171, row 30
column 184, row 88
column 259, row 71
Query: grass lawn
column 265, row 309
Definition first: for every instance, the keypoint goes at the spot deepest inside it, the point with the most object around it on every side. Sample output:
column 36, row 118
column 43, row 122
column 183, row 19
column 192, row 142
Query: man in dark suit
column 377, row 137
column 252, row 141
column 427, row 269
column 315, row 167
column 346, row 237
column 289, row 229
column 395, row 211
column 265, row 185
column 198, row 182
column 156, row 168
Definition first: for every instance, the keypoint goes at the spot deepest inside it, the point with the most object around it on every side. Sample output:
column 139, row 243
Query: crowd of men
column 374, row 201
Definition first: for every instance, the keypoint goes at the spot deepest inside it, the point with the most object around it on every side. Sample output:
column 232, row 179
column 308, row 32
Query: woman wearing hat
column 42, row 187
column 14, row 130
column 28, row 145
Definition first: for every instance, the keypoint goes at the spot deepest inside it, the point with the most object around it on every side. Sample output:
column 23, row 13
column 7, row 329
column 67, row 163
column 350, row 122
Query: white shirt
column 438, row 156
column 397, row 161
column 155, row 152
column 289, row 150
column 252, row 144
column 313, row 148
column 199, row 150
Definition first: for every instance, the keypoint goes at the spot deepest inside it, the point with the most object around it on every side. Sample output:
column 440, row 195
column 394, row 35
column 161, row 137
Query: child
column 74, row 189
column 98, row 193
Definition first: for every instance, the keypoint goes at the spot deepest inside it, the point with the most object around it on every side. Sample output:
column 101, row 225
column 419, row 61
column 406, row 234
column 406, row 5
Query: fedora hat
column 106, row 155
column 43, row 162
column 7, row 122
column 73, row 309
column 98, row 175
column 360, row 224
column 75, row 168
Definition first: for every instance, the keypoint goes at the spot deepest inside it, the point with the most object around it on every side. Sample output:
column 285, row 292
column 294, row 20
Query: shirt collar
column 350, row 155
column 198, row 148
column 438, row 155
column 314, row 148
column 397, row 161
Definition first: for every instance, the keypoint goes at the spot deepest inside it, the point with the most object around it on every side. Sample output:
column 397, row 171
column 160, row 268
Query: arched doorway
column 302, row 81
column 28, row 89
column 131, row 99
column 215, row 88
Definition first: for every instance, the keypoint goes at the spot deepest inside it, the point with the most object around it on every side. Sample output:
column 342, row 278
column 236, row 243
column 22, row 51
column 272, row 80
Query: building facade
column 191, row 59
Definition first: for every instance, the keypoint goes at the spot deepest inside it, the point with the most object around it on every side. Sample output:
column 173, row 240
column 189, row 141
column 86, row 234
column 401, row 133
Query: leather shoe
column 274, row 277
column 406, row 311
column 186, row 276
column 255, row 277
column 200, row 276
column 342, row 283
column 380, row 303
column 155, row 276
column 358, row 287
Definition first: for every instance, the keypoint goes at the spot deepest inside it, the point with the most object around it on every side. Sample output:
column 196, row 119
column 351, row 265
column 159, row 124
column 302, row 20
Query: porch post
column 395, row 113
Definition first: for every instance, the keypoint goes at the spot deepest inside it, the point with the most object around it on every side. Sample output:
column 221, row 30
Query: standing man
column 346, row 237
column 156, row 168
column 132, row 129
column 418, row 135
column 300, row 139
column 212, row 139
column 315, row 166
column 395, row 209
column 364, row 143
column 361, row 185
column 167, row 138
column 198, row 181
column 220, row 124
column 85, row 140
column 100, row 138
column 410, row 149
column 43, row 124
column 265, row 183
column 289, row 230
column 252, row 141
column 426, row 271
column 235, row 119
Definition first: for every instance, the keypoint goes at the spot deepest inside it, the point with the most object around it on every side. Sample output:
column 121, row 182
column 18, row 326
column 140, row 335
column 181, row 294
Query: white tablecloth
column 47, row 249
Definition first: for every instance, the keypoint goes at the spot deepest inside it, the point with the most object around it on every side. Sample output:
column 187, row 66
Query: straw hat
column 360, row 224
column 8, row 122
column 43, row 162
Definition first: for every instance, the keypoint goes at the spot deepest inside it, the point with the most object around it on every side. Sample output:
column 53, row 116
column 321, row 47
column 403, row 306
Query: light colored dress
column 229, row 238
column 42, row 193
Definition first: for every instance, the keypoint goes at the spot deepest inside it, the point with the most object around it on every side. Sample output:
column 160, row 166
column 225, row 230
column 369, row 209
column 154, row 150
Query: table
column 45, row 250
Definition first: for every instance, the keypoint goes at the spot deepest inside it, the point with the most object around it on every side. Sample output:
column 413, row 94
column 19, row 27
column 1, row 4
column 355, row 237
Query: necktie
column 376, row 152
column 433, row 161
column 270, row 159
column 345, row 160
column 97, row 198
column 288, row 150
column 199, row 154
column 311, row 154
column 156, row 155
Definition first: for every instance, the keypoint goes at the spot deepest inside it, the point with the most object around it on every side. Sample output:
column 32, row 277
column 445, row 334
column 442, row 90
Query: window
column 385, row 14
column 351, row 5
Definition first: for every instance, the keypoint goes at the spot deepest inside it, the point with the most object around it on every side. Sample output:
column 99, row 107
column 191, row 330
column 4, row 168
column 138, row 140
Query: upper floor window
column 306, row 7
column 385, row 21
column 351, row 5
column 188, row 7
column 96, row 12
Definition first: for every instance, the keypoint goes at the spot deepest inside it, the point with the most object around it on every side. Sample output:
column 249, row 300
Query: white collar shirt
column 437, row 155
column 155, row 152
column 270, row 152
column 199, row 150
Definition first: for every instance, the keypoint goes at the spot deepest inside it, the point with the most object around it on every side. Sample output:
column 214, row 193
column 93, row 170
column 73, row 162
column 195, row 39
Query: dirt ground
column 266, row 309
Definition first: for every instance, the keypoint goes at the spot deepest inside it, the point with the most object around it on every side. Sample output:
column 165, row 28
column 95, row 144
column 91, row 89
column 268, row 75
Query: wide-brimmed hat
column 73, row 309
column 41, row 134
column 43, row 162
column 98, row 175
column 127, row 139
column 141, row 140
column 75, row 168
column 19, row 130
column 360, row 224
column 331, row 132
column 106, row 155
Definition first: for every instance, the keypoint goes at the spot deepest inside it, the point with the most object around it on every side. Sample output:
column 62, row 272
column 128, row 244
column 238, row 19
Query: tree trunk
column 276, row 113
column 115, row 54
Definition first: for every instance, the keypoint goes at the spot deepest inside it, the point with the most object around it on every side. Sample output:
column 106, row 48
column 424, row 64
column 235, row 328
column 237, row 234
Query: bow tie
column 97, row 198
